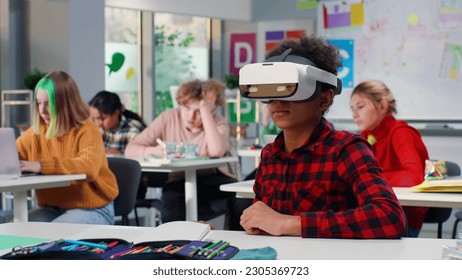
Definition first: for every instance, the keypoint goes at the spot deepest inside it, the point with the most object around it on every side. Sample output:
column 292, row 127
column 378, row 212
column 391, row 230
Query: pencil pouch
column 118, row 249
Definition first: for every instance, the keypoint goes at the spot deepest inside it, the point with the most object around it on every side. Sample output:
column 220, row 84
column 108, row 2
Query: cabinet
column 17, row 109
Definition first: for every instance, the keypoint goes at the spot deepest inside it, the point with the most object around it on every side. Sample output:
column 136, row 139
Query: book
column 177, row 230
column 451, row 184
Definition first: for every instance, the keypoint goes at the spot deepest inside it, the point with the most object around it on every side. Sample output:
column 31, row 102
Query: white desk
column 244, row 189
column 249, row 152
column 290, row 248
column 447, row 200
column 21, row 185
column 296, row 248
column 189, row 167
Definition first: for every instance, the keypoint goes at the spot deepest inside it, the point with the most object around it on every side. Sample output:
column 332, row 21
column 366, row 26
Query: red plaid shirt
column 335, row 184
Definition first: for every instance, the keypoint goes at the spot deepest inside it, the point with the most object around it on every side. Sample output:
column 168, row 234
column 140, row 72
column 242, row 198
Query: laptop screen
column 9, row 165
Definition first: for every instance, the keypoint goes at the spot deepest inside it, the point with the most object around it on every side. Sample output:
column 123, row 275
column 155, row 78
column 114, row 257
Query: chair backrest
column 128, row 175
column 453, row 168
column 438, row 214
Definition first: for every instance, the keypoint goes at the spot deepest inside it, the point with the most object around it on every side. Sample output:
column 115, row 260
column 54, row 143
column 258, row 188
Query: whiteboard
column 414, row 46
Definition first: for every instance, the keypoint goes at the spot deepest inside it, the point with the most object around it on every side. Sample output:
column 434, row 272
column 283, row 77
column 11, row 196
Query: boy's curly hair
column 314, row 48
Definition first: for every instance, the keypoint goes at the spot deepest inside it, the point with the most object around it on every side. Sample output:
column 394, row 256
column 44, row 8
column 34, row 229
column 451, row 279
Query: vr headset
column 285, row 77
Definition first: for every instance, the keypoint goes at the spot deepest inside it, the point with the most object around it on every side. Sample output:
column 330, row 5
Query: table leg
column 20, row 206
column 190, row 195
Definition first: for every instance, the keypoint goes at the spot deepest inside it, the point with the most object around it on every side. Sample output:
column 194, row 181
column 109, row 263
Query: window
column 181, row 52
column 122, row 55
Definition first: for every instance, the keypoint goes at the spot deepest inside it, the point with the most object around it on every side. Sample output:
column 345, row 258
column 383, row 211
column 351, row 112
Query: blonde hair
column 192, row 90
column 66, row 107
column 376, row 91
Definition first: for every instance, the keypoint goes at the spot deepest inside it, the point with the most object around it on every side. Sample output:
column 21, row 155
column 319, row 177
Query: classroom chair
column 128, row 175
column 439, row 215
column 150, row 180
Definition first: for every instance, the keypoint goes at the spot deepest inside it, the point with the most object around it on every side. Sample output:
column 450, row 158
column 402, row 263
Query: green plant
column 231, row 81
column 165, row 39
column 31, row 79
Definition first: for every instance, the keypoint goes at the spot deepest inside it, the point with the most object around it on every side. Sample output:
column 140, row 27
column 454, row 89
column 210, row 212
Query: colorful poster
column 343, row 14
column 242, row 51
column 274, row 38
column 450, row 14
column 346, row 72
column 451, row 64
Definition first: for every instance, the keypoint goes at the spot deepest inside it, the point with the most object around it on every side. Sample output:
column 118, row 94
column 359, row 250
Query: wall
column 222, row 9
column 48, row 35
column 276, row 10
column 13, row 57
column 65, row 35
column 415, row 49
column 86, row 45
column 242, row 10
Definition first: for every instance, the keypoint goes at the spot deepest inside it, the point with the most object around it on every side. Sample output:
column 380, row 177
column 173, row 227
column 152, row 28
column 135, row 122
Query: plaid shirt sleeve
column 335, row 185
column 127, row 130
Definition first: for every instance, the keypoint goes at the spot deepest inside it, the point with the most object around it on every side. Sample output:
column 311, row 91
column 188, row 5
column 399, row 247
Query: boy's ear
column 326, row 99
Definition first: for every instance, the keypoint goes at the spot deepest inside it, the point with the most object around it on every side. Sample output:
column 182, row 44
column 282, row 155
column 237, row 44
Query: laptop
column 9, row 165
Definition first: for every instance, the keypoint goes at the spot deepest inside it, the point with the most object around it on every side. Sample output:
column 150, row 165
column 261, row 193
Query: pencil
column 140, row 250
column 209, row 251
column 209, row 247
column 215, row 253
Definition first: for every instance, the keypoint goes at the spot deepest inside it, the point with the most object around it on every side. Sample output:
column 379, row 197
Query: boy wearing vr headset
column 313, row 181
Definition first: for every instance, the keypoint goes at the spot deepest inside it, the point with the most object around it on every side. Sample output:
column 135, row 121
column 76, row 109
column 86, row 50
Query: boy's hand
column 208, row 101
column 260, row 218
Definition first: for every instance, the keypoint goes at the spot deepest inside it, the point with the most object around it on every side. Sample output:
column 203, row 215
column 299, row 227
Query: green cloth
column 265, row 253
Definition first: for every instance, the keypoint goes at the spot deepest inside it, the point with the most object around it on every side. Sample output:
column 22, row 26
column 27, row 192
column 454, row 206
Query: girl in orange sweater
column 64, row 141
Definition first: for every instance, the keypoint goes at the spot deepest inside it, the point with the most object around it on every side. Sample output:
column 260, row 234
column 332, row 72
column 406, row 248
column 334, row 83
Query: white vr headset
column 285, row 77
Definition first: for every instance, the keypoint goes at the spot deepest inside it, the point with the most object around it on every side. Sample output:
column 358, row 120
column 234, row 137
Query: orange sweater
column 79, row 151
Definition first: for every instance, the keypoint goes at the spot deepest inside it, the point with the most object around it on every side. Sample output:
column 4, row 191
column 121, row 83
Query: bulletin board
column 414, row 46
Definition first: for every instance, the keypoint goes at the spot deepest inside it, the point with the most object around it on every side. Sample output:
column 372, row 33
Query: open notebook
column 178, row 230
